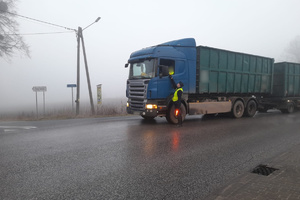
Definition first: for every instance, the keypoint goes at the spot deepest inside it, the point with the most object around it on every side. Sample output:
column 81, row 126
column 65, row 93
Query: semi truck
column 215, row 81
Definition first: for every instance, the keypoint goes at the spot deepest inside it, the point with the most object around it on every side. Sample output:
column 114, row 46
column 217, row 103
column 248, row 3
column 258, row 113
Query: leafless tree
column 294, row 49
column 10, row 39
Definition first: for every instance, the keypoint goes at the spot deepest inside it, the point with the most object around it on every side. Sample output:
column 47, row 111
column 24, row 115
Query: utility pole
column 87, row 75
column 80, row 38
column 78, row 70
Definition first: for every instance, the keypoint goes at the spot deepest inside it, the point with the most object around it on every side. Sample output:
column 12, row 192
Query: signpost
column 37, row 89
column 72, row 86
column 99, row 94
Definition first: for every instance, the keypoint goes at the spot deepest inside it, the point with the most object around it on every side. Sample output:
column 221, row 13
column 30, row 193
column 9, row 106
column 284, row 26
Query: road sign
column 39, row 88
column 71, row 85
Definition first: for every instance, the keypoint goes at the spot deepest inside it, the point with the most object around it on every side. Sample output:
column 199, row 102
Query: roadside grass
column 105, row 110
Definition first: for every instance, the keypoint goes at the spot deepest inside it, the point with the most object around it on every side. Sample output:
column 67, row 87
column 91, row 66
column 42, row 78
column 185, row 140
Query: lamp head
column 98, row 19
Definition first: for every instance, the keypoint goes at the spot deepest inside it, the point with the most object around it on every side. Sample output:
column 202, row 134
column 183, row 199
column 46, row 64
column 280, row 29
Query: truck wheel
column 250, row 109
column 171, row 116
column 238, row 109
column 290, row 108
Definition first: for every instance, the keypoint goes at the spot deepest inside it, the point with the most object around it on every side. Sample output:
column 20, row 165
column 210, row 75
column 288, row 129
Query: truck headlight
column 151, row 106
column 127, row 105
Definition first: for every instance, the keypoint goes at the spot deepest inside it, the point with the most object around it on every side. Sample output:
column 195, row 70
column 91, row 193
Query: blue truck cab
column 149, row 89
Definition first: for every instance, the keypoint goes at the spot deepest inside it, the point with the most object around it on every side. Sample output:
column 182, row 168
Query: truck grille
column 137, row 94
column 137, row 104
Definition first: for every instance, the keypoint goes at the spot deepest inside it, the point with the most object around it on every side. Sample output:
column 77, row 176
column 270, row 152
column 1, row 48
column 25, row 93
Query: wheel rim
column 251, row 108
column 238, row 109
column 172, row 117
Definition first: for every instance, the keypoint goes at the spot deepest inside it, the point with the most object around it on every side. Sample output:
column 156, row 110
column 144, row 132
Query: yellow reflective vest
column 175, row 97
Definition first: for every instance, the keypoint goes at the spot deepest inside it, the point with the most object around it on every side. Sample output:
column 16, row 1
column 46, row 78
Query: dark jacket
column 179, row 93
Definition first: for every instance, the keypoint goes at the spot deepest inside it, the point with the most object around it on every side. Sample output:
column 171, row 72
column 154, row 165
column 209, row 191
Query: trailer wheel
column 238, row 109
column 290, row 108
column 171, row 114
column 250, row 108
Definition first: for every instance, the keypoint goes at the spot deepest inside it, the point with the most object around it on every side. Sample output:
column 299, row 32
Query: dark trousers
column 179, row 116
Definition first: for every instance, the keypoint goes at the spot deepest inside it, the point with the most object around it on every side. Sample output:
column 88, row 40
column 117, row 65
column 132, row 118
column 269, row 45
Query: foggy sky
column 251, row 26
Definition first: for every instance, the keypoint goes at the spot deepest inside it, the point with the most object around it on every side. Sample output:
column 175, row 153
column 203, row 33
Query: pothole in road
column 263, row 170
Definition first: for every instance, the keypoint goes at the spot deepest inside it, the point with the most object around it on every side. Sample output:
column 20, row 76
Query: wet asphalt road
column 129, row 158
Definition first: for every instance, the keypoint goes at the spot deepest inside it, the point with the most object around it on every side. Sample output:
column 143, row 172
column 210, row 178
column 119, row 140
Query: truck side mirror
column 163, row 71
column 126, row 65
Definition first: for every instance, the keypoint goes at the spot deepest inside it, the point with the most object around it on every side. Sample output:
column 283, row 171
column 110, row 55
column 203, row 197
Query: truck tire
column 238, row 109
column 250, row 108
column 171, row 116
column 290, row 108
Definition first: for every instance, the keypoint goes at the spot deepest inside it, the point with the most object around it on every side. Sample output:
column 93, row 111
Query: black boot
column 179, row 124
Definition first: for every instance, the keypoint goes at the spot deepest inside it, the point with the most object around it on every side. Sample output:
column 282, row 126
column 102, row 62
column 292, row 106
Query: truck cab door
column 164, row 86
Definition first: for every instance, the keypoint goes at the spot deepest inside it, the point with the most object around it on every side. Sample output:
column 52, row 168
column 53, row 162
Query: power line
column 39, row 33
column 37, row 20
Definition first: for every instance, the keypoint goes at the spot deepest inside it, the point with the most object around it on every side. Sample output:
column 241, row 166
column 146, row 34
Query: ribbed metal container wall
column 221, row 71
column 286, row 79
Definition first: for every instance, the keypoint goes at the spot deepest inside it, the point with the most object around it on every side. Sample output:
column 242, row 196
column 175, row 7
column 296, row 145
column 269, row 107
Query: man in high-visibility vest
column 177, row 99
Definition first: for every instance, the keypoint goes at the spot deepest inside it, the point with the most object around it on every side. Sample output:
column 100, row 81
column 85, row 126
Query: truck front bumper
column 153, row 112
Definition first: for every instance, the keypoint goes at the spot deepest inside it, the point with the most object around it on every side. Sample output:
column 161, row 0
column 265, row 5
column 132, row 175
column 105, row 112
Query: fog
column 251, row 26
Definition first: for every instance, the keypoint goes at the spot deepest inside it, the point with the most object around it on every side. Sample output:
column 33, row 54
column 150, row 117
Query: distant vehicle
column 215, row 81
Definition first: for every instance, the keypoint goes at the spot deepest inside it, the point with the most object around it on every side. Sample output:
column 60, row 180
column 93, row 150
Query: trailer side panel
column 226, row 72
column 286, row 79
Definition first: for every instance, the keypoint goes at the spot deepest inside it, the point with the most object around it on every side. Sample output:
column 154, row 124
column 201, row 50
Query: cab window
column 170, row 64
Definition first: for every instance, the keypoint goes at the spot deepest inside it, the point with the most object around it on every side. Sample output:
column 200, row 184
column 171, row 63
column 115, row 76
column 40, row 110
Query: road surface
column 130, row 158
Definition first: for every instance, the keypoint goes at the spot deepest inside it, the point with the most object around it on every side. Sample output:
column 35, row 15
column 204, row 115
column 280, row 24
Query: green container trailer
column 221, row 71
column 286, row 79
column 286, row 89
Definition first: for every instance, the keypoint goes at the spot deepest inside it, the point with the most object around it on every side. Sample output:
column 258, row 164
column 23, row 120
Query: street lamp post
column 80, row 38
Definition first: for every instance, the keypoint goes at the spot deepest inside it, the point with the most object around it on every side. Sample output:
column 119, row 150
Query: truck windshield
column 142, row 69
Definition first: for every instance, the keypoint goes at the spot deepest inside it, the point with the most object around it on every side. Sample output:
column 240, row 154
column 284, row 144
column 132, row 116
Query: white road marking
column 15, row 128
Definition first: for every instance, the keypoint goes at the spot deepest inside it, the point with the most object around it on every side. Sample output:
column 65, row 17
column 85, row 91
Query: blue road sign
column 71, row 85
